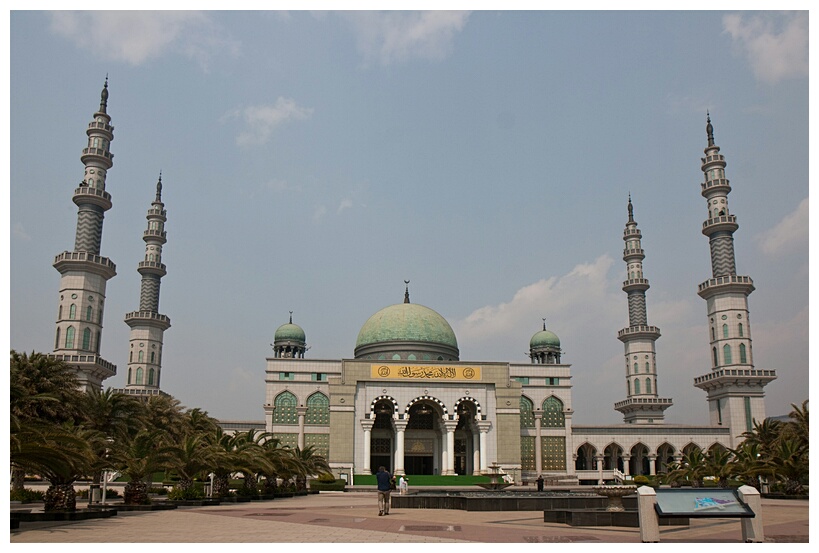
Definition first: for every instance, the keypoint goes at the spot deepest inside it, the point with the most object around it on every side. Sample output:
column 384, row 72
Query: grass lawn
column 426, row 480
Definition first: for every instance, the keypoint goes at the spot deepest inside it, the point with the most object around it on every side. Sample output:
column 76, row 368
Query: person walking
column 383, row 478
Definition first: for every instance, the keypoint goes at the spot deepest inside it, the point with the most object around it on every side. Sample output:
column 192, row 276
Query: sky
column 313, row 161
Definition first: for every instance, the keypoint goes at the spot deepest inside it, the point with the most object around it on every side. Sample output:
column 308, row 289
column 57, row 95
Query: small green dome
column 289, row 332
column 406, row 322
column 544, row 338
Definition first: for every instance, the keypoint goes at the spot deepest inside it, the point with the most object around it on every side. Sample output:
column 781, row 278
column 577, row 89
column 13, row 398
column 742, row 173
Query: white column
column 400, row 426
column 450, row 446
column 599, row 458
column 484, row 427
column 367, row 426
column 476, row 451
column 652, row 468
column 442, row 452
column 301, row 411
column 627, row 464
column 538, row 453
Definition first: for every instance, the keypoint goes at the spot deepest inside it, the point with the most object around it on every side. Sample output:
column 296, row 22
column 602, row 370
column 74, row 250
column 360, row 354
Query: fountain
column 615, row 495
column 496, row 479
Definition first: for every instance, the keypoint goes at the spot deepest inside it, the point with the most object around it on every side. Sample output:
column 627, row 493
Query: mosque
column 405, row 399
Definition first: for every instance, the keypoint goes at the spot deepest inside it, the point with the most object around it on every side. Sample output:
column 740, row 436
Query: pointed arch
column 150, row 377
column 743, row 357
column 284, row 409
column 553, row 413
column 139, row 375
column 637, row 386
column 318, row 409
column 648, row 385
column 69, row 337
column 726, row 354
column 527, row 415
column 72, row 311
column 86, row 339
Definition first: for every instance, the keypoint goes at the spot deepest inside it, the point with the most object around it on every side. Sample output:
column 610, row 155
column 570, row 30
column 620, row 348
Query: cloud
column 319, row 213
column 138, row 36
column 390, row 37
column 261, row 120
column 564, row 301
column 346, row 203
column 776, row 45
column 19, row 232
column 789, row 235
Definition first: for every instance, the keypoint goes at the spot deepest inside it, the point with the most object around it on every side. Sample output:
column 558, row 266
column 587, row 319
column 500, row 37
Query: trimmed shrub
column 335, row 485
column 26, row 495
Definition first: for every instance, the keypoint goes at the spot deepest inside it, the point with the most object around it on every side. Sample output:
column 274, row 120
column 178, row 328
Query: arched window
column 140, row 356
column 527, row 417
column 72, row 311
column 129, row 377
column 131, row 357
column 69, row 337
column 553, row 413
column 724, row 331
column 153, row 355
column 86, row 339
column 99, row 340
column 318, row 409
column 716, row 361
column 150, row 377
column 726, row 354
column 635, row 368
column 648, row 385
column 88, row 312
column 99, row 314
column 628, row 386
column 139, row 376
column 284, row 411
column 742, row 356
column 713, row 334
column 57, row 340
column 637, row 386
column 648, row 367
column 60, row 313
column 740, row 330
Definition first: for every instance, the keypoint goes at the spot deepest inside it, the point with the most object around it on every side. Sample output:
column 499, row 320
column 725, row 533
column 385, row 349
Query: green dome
column 544, row 338
column 406, row 322
column 289, row 332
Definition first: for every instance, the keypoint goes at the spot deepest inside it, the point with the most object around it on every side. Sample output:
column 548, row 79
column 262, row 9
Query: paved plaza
column 353, row 518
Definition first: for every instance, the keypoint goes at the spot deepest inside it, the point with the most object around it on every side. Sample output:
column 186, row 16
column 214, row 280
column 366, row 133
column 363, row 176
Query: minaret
column 735, row 389
column 147, row 325
column 84, row 273
column 642, row 404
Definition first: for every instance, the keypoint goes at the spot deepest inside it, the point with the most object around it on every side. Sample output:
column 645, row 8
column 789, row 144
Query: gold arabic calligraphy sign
column 426, row 372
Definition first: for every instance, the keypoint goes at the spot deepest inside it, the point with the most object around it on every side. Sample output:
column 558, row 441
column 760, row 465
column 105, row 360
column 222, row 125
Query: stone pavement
column 352, row 517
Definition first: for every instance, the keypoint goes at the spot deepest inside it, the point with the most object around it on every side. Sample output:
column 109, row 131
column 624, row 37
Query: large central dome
column 407, row 331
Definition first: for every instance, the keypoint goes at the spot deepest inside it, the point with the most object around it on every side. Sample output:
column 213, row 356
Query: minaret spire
column 642, row 404
column 732, row 402
column 84, row 272
column 148, row 326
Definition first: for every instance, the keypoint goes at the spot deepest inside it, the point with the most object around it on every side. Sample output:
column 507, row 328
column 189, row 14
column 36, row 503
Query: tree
column 138, row 457
column 690, row 468
column 310, row 463
column 68, row 455
column 188, row 460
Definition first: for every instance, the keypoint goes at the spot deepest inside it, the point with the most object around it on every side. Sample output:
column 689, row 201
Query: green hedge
column 335, row 486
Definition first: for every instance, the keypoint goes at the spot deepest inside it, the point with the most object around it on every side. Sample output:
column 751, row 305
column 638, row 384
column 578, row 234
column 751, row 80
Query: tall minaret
column 147, row 325
column 84, row 272
column 735, row 389
column 642, row 404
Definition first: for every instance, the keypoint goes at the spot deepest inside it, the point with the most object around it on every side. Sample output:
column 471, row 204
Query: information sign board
column 701, row 503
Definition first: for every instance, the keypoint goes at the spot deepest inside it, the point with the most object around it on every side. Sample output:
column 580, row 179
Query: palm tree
column 690, row 468
column 188, row 460
column 788, row 463
column 138, row 458
column 747, row 464
column 311, row 463
column 43, row 393
column 253, row 460
column 165, row 413
column 718, row 465
column 281, row 463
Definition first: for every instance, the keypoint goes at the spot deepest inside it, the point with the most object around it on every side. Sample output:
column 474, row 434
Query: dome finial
column 630, row 209
column 291, row 317
column 159, row 187
column 406, row 291
column 709, row 128
column 544, row 323
column 104, row 96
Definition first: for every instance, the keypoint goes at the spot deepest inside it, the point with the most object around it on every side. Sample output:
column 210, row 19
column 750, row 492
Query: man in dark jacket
column 383, row 478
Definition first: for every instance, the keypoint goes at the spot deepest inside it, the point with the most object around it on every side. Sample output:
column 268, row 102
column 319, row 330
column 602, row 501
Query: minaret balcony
column 717, row 159
column 722, row 223
column 715, row 185
column 651, row 402
column 635, row 284
column 726, row 284
column 633, row 253
column 93, row 364
column 638, row 331
column 91, row 195
column 147, row 318
column 154, row 235
column 97, row 154
column 105, row 127
column 85, row 261
column 151, row 268
column 721, row 378
column 157, row 213
column 632, row 233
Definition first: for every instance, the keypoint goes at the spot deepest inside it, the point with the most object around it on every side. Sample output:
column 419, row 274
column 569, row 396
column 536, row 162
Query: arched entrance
column 422, row 439
column 382, row 439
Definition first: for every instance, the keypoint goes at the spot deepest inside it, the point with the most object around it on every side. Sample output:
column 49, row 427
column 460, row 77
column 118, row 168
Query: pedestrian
column 383, row 478
column 404, row 485
column 539, row 482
